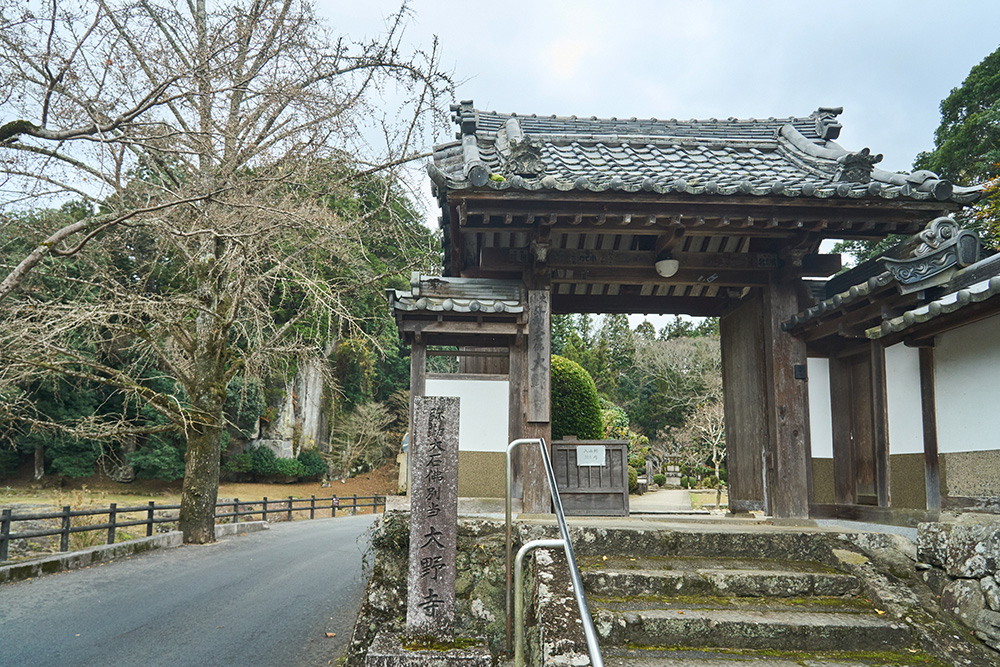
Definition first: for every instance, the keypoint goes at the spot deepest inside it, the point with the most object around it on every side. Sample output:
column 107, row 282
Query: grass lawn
column 705, row 499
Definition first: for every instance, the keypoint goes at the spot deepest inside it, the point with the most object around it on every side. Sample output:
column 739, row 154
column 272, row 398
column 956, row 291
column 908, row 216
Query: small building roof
column 436, row 294
column 790, row 157
column 926, row 285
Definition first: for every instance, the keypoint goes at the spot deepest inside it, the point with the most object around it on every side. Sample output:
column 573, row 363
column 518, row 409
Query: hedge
column 576, row 410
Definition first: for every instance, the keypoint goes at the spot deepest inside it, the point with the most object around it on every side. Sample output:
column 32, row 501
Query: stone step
column 740, row 577
column 689, row 658
column 795, row 630
column 718, row 581
column 844, row 605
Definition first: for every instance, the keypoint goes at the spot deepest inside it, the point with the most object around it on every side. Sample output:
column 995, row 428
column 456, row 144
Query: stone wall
column 960, row 562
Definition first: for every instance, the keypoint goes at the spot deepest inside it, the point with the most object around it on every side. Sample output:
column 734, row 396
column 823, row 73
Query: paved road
column 262, row 599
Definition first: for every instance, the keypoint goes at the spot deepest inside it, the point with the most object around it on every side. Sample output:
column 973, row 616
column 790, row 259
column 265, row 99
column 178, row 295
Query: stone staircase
column 726, row 599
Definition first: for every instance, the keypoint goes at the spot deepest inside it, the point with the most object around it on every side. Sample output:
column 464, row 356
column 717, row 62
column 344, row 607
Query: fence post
column 312, row 508
column 333, row 506
column 289, row 508
column 236, row 510
column 354, row 507
column 64, row 536
column 264, row 513
column 113, row 520
column 149, row 518
column 4, row 533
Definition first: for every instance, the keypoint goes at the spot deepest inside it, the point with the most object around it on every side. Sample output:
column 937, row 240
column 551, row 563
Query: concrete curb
column 75, row 560
column 229, row 529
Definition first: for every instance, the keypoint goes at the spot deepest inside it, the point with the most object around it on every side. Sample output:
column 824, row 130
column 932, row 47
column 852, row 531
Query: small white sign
column 590, row 455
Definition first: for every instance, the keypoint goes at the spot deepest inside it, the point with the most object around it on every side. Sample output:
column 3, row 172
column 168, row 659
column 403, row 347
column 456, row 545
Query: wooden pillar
column 536, row 495
column 932, row 478
column 844, row 486
column 880, row 424
column 743, row 379
column 786, row 401
column 516, row 401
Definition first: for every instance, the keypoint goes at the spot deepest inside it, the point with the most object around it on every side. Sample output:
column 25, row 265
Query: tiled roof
column 459, row 295
column 792, row 157
column 977, row 293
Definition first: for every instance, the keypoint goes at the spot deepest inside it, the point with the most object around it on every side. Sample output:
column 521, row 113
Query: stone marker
column 430, row 603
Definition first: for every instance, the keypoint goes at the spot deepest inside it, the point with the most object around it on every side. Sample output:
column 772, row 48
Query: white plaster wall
column 967, row 387
column 820, row 426
column 482, row 419
column 902, row 381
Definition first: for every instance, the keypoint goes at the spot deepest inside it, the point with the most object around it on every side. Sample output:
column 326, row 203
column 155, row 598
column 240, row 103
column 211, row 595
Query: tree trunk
column 39, row 461
column 201, row 482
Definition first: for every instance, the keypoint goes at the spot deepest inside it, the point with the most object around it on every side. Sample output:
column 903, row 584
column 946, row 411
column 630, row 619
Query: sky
column 889, row 63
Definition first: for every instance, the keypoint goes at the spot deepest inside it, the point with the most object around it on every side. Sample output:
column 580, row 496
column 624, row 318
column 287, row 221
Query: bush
column 633, row 479
column 685, row 482
column 158, row 460
column 263, row 461
column 313, row 465
column 637, row 462
column 239, row 463
column 724, row 475
column 290, row 467
column 710, row 482
column 576, row 409
column 659, row 479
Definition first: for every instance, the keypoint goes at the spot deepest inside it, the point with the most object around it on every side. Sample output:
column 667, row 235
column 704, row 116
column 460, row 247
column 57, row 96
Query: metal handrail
column 596, row 660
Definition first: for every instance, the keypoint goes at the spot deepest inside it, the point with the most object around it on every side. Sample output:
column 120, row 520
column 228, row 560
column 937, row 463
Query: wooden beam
column 649, row 276
column 928, row 409
column 698, row 306
column 462, row 328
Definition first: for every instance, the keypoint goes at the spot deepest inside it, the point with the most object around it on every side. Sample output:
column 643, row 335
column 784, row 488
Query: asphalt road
column 262, row 599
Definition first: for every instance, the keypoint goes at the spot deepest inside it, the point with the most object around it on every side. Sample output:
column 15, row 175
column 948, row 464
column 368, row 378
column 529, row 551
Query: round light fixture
column 666, row 265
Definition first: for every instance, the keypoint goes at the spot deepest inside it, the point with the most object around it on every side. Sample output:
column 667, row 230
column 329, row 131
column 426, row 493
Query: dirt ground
column 101, row 490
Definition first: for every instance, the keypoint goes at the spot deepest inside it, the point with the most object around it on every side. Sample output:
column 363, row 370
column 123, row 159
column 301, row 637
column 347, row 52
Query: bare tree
column 689, row 369
column 360, row 437
column 218, row 155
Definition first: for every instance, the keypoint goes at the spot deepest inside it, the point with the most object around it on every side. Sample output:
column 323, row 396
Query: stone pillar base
column 388, row 650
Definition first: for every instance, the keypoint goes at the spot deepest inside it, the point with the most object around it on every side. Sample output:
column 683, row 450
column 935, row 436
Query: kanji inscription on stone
column 430, row 605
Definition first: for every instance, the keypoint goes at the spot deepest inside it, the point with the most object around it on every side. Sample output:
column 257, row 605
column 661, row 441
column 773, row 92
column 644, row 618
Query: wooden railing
column 124, row 517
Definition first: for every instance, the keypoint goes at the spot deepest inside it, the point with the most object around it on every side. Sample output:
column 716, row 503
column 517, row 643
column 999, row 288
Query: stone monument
column 430, row 604
column 430, row 595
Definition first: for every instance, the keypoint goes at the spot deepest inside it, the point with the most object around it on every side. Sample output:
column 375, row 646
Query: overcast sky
column 889, row 63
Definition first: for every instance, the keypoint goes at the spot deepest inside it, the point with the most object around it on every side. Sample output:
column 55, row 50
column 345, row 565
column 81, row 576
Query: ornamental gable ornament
column 857, row 167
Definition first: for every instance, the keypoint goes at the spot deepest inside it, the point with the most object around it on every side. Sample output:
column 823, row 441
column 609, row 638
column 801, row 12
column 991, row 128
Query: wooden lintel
column 424, row 327
column 630, row 304
column 565, row 258
column 600, row 275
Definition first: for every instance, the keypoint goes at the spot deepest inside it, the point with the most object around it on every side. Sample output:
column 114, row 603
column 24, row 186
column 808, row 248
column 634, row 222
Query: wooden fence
column 123, row 517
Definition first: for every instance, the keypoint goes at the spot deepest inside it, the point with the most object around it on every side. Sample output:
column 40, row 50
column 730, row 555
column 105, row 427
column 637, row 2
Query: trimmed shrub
column 685, row 482
column 290, row 467
column 263, row 461
column 659, row 479
column 576, row 409
column 633, row 479
column 313, row 465
column 241, row 463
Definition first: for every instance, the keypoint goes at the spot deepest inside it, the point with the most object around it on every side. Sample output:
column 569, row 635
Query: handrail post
column 289, row 508
column 263, row 516
column 236, row 510
column 64, row 535
column 596, row 660
column 312, row 507
column 112, row 520
column 519, row 594
column 4, row 533
column 149, row 518
column 509, row 476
